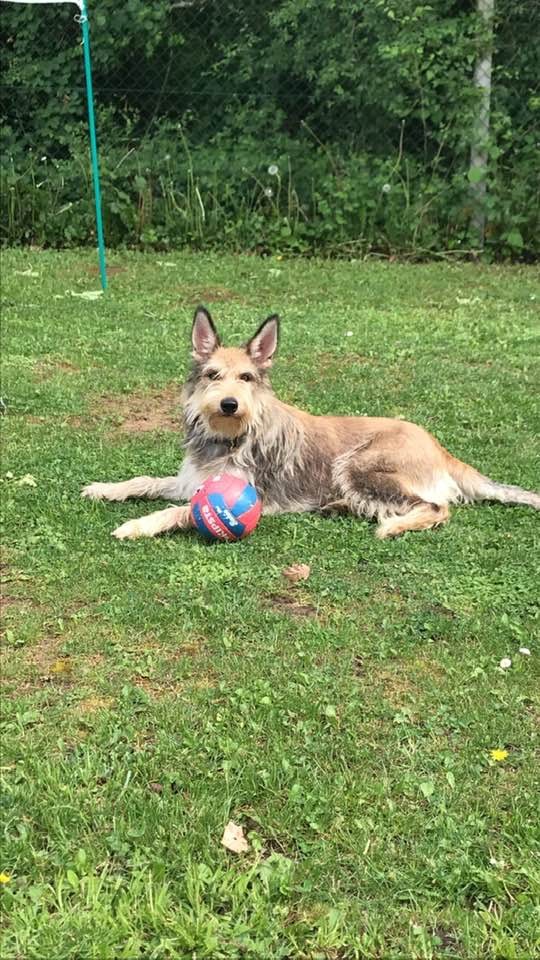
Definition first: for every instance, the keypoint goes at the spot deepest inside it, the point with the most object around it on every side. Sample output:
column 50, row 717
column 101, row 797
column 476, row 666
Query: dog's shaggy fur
column 368, row 466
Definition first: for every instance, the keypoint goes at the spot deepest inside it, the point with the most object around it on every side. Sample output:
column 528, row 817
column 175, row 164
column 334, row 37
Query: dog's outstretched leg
column 162, row 521
column 422, row 516
column 152, row 488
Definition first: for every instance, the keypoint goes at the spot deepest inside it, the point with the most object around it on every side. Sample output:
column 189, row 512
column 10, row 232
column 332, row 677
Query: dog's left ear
column 263, row 345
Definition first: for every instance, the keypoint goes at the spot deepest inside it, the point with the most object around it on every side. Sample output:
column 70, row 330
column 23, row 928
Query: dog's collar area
column 212, row 446
column 232, row 443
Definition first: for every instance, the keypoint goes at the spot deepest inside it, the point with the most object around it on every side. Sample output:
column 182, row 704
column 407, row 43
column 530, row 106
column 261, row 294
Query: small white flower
column 273, row 170
column 525, row 651
column 349, row 333
column 43, row 159
column 505, row 663
column 386, row 188
column 167, row 156
column 268, row 192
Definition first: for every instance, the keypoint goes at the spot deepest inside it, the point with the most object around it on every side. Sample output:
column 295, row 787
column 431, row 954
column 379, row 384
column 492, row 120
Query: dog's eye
column 212, row 374
column 248, row 377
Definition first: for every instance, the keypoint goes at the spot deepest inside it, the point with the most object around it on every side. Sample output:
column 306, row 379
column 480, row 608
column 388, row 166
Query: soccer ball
column 225, row 507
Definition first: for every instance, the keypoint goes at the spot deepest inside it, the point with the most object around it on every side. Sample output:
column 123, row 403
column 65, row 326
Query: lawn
column 155, row 689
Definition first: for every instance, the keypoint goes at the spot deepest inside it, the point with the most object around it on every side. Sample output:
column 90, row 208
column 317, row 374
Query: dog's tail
column 474, row 486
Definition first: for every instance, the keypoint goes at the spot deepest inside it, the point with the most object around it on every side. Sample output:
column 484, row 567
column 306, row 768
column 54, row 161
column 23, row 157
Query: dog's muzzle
column 229, row 406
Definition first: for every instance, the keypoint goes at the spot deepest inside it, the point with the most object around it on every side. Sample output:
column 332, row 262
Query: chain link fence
column 298, row 125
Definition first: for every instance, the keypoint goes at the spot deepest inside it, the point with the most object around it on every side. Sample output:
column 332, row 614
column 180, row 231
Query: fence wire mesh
column 364, row 113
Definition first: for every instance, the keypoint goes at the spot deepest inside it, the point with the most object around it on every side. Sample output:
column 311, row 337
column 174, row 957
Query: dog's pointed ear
column 204, row 335
column 263, row 345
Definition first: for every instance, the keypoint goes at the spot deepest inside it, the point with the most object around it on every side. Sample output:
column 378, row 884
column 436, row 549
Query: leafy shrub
column 365, row 108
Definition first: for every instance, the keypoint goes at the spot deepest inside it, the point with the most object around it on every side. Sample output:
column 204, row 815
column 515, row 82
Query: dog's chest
column 193, row 474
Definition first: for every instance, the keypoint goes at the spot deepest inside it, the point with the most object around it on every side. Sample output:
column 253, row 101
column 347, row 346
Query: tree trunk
column 480, row 132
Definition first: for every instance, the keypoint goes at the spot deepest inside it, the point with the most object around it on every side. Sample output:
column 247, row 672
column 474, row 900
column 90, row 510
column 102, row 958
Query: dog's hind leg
column 422, row 516
column 162, row 521
column 152, row 488
column 377, row 490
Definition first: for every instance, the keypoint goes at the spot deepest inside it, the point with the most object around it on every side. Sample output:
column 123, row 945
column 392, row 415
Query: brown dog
column 368, row 466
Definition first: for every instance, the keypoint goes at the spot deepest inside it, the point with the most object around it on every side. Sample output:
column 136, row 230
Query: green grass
column 153, row 690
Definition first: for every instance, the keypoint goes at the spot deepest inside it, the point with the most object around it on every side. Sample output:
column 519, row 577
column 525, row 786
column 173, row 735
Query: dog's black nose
column 229, row 406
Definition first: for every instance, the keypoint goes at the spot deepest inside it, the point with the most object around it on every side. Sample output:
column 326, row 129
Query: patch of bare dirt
column 292, row 605
column 39, row 421
column 185, row 650
column 402, row 684
column 93, row 704
column 156, row 688
column 46, row 369
column 425, row 667
column 7, row 602
column 137, row 412
column 28, row 669
column 91, row 661
column 397, row 688
column 157, row 421
column 141, row 412
column 193, row 295
column 39, row 659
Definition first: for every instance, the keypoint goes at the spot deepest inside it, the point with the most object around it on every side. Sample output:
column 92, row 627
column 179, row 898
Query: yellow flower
column 498, row 754
column 4, row 878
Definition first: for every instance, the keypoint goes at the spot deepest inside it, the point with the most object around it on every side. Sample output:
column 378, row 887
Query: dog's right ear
column 204, row 335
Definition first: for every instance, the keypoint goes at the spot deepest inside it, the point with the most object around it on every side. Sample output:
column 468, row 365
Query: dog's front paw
column 95, row 491
column 147, row 526
column 130, row 530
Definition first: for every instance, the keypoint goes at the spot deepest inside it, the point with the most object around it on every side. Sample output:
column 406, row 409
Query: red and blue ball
column 225, row 507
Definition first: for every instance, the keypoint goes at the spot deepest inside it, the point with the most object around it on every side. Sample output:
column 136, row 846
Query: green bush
column 365, row 108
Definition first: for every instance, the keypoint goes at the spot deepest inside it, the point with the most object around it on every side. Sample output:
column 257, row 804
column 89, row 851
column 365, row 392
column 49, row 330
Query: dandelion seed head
column 386, row 188
column 273, row 170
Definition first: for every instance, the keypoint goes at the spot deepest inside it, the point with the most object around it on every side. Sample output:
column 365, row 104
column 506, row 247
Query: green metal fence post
column 93, row 142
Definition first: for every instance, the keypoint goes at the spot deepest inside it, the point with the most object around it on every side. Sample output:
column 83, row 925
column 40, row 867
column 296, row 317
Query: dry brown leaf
column 298, row 571
column 233, row 838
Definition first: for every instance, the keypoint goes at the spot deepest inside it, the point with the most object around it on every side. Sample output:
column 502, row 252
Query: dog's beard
column 229, row 427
